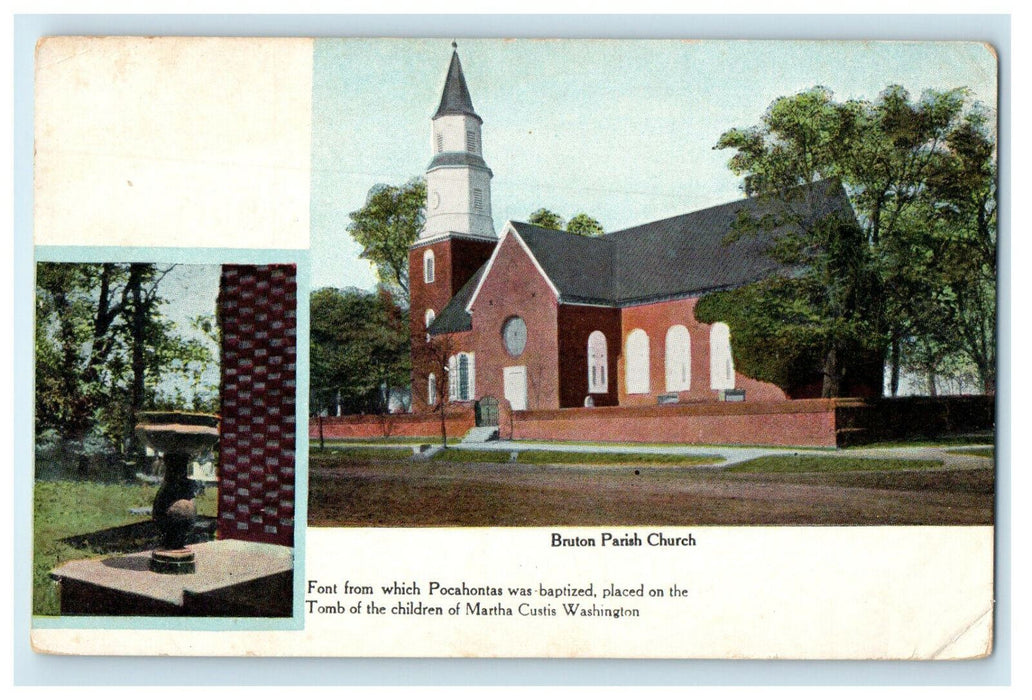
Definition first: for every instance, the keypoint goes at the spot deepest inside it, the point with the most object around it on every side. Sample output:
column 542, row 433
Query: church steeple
column 455, row 98
column 458, row 181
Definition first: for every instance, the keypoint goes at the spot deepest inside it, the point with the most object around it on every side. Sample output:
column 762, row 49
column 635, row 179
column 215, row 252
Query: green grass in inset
column 67, row 508
column 798, row 463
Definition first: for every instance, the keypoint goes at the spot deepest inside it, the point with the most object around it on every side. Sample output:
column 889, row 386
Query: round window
column 514, row 335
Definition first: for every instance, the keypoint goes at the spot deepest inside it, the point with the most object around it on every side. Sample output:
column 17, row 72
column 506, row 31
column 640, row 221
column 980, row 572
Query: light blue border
column 216, row 256
column 32, row 668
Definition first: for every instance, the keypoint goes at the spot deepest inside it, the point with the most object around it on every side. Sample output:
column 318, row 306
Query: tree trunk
column 894, row 367
column 138, row 322
column 832, row 374
column 932, row 391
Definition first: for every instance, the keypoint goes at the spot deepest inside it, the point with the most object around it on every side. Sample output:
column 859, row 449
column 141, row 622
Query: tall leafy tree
column 360, row 350
column 881, row 288
column 387, row 226
column 104, row 351
column 964, row 215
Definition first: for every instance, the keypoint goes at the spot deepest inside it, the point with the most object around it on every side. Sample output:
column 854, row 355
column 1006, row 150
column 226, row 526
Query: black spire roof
column 455, row 98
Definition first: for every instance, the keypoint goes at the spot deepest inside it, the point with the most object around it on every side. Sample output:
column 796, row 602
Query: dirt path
column 403, row 494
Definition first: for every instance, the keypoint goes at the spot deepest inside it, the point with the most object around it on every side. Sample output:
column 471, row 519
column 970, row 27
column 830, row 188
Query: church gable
column 512, row 251
column 514, row 328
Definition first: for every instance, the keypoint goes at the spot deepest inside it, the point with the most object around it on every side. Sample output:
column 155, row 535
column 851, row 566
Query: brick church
column 549, row 319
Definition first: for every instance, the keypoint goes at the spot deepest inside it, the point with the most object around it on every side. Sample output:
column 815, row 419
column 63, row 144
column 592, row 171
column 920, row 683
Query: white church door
column 515, row 386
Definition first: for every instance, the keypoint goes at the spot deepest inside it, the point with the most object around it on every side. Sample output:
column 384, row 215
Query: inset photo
column 164, row 439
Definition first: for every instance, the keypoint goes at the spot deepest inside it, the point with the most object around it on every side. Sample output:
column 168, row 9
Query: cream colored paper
column 173, row 142
column 753, row 592
column 207, row 143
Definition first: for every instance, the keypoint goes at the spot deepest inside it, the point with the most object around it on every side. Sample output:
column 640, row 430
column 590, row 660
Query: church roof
column 454, row 317
column 455, row 98
column 580, row 267
column 667, row 259
column 681, row 256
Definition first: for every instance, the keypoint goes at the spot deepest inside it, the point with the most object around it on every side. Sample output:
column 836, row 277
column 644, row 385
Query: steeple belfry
column 458, row 181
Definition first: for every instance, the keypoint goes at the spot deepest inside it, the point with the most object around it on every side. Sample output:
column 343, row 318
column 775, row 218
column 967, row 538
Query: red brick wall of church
column 576, row 323
column 433, row 359
column 514, row 287
column 655, row 320
column 455, row 261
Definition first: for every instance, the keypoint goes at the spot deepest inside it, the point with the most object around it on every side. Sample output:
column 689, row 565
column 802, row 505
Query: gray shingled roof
column 680, row 256
column 455, row 98
column 581, row 267
column 687, row 254
column 676, row 257
column 454, row 317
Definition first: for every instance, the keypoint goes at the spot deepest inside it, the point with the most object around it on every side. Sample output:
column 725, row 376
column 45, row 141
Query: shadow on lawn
column 136, row 537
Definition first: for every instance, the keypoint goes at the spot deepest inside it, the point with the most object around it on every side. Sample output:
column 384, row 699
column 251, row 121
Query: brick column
column 257, row 311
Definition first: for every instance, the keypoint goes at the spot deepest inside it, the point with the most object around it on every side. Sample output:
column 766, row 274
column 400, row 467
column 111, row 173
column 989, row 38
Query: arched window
column 431, row 390
column 460, row 380
column 428, row 266
column 428, row 317
column 722, row 366
column 678, row 359
column 637, row 366
column 598, row 364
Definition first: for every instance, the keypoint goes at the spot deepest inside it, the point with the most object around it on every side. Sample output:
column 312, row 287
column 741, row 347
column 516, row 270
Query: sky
column 191, row 291
column 621, row 130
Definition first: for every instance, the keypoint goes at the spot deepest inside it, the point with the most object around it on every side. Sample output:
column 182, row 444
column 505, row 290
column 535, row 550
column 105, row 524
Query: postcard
column 515, row 348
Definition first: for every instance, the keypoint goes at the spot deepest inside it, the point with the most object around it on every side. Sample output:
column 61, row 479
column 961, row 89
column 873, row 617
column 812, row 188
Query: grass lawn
column 793, row 464
column 453, row 456
column 68, row 508
column 400, row 440
column 362, row 452
column 557, row 457
column 942, row 441
column 988, row 452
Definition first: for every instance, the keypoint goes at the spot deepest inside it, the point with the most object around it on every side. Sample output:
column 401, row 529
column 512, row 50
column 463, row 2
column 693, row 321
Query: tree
column 433, row 358
column 387, row 226
column 359, row 350
column 546, row 218
column 966, row 218
column 881, row 289
column 584, row 225
column 104, row 351
column 581, row 224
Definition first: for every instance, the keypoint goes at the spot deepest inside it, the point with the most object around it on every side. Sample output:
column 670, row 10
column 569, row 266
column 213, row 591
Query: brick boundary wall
column 799, row 423
column 458, row 422
column 807, row 422
column 257, row 309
